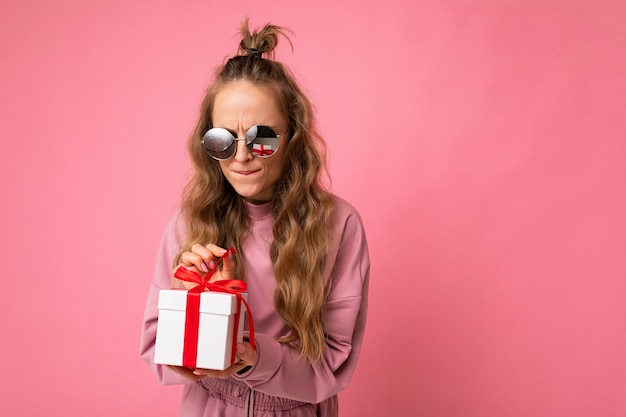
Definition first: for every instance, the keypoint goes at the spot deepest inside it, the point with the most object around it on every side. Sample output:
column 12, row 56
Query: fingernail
column 241, row 349
column 203, row 267
column 211, row 265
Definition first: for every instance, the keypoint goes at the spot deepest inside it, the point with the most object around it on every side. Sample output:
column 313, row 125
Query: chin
column 250, row 195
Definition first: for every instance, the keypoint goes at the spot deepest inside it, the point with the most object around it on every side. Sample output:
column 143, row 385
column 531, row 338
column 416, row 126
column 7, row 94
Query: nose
column 243, row 153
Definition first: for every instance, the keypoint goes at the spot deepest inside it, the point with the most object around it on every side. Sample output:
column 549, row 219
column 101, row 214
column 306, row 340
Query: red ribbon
column 192, row 315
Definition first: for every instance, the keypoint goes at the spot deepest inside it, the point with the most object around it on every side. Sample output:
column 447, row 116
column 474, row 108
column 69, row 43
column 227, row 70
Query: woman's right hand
column 202, row 259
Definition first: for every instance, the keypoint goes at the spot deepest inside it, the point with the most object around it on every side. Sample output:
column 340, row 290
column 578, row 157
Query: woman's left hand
column 247, row 357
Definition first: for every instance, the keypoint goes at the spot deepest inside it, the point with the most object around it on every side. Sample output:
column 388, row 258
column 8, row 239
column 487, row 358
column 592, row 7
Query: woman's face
column 238, row 106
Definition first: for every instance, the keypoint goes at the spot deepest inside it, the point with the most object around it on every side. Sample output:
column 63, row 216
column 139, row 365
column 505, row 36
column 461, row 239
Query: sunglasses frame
column 249, row 142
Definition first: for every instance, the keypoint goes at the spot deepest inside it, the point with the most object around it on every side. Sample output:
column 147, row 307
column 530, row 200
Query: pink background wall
column 482, row 141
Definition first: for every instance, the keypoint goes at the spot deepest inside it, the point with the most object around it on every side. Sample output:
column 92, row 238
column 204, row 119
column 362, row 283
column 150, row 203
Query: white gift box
column 215, row 330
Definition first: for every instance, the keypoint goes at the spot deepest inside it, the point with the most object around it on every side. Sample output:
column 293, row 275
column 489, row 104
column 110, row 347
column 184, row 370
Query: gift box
column 219, row 324
column 200, row 327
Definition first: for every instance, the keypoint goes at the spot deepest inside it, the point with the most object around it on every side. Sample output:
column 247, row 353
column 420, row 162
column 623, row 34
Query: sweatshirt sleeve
column 280, row 371
column 162, row 279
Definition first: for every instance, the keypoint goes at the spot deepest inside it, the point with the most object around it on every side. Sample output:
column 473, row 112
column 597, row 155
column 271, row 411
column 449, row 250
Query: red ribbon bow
column 192, row 315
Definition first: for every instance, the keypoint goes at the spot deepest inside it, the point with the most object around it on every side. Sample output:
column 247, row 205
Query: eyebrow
column 232, row 132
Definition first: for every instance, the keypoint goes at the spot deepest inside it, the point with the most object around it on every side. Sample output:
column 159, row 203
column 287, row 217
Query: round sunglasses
column 221, row 144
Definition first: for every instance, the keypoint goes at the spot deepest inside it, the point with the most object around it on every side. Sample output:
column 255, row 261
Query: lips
column 246, row 172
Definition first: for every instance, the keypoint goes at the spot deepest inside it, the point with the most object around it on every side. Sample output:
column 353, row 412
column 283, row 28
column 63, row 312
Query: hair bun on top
column 261, row 41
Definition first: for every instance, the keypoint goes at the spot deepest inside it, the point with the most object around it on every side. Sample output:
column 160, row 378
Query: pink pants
column 212, row 397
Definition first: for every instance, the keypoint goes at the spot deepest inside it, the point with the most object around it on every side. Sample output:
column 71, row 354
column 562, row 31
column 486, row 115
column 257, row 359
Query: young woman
column 257, row 186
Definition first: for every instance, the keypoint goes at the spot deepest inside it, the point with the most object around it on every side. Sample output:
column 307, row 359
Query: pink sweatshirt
column 280, row 384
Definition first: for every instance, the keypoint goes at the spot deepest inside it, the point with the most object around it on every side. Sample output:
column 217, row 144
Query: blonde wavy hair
column 301, row 205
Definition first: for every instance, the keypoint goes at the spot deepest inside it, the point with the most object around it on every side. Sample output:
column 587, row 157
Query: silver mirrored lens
column 219, row 143
column 262, row 141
